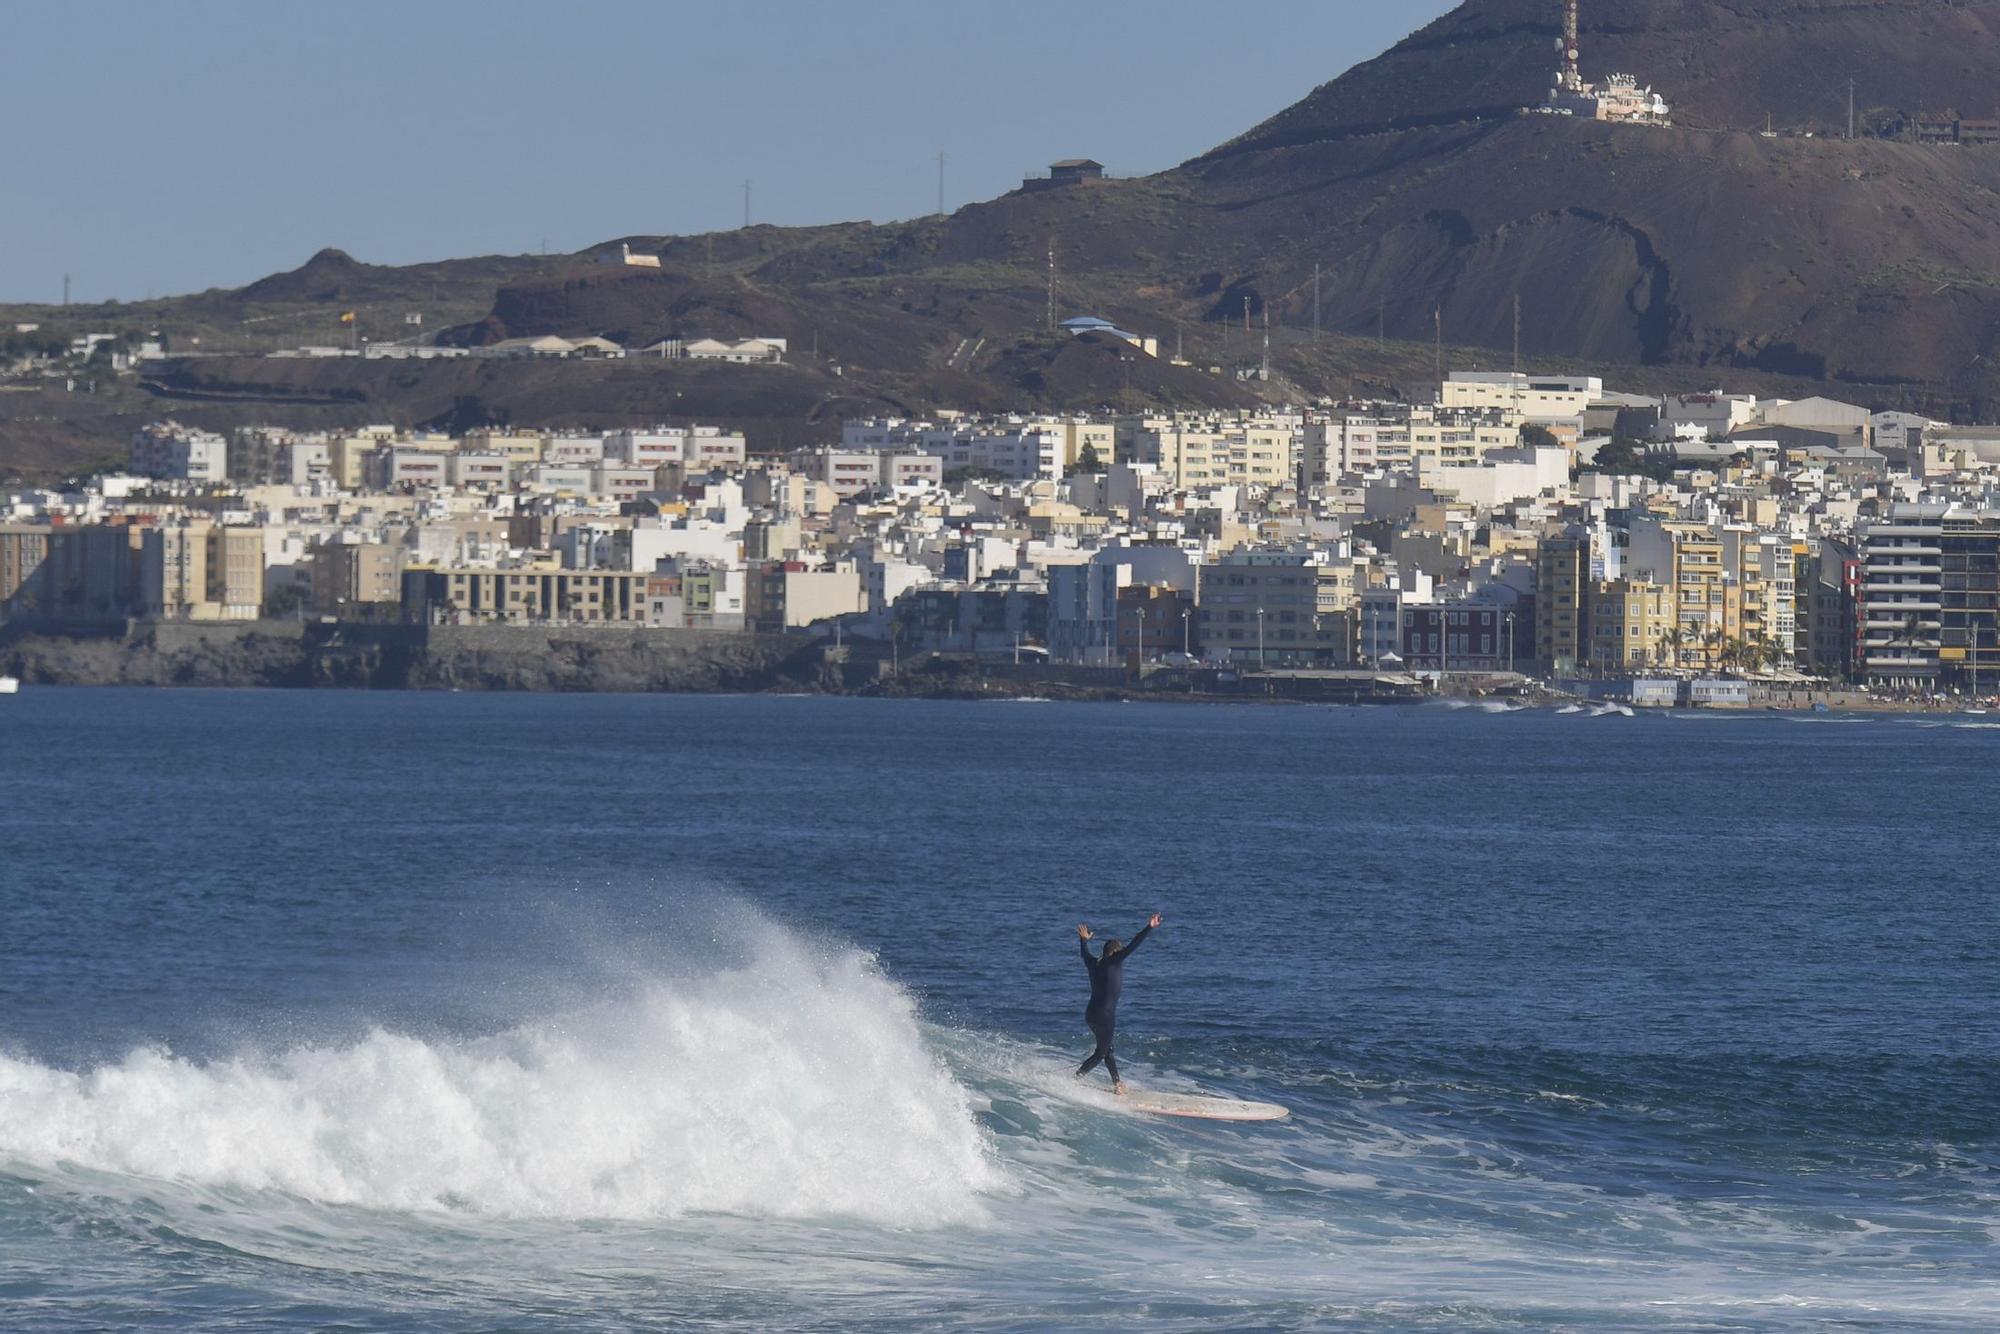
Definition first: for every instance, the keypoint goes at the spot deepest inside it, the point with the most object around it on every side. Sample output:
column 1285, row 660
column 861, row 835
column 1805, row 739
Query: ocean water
column 469, row 1012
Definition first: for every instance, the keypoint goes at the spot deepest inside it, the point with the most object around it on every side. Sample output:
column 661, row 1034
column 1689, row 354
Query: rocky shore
column 302, row 655
column 314, row 654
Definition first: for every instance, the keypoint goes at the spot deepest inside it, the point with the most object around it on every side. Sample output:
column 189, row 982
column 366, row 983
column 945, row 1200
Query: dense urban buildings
column 1517, row 523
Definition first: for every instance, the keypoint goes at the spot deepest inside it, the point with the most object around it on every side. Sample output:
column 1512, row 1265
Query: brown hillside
column 1686, row 257
column 1723, row 64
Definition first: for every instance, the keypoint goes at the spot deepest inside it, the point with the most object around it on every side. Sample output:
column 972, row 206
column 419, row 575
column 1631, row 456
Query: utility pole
column 1246, row 314
column 1437, row 335
column 1850, row 111
column 1517, row 333
column 1315, row 303
column 1264, row 372
column 746, row 204
column 940, row 183
column 1052, row 284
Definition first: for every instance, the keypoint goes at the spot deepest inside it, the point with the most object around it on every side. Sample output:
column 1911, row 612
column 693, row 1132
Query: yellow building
column 346, row 455
column 1629, row 623
column 202, row 572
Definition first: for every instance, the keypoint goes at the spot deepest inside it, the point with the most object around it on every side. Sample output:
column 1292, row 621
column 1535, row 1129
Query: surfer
column 1107, row 979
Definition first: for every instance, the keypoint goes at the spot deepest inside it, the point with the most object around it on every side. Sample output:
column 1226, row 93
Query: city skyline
column 278, row 134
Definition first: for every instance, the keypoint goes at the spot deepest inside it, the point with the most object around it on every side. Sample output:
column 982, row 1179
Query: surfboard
column 1200, row 1108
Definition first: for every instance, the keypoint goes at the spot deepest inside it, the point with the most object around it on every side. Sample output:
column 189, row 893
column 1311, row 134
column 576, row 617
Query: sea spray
column 796, row 1085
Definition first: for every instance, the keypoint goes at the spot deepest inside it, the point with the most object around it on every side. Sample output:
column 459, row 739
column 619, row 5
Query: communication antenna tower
column 1052, row 284
column 1572, row 69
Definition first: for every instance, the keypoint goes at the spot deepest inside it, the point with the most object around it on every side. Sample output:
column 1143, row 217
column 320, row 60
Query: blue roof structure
column 1083, row 324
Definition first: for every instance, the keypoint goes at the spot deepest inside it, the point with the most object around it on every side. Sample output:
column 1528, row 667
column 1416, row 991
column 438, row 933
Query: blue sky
column 174, row 147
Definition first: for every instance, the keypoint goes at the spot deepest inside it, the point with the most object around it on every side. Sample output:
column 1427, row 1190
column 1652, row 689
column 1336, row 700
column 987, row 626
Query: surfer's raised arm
column 1144, row 931
column 1083, row 943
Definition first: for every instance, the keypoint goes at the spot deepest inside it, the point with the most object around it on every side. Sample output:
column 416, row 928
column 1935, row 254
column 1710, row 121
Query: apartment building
column 1688, row 557
column 1261, row 608
column 853, row 472
column 202, row 572
column 1205, row 454
column 1931, row 599
column 87, row 571
column 1628, row 623
column 261, row 456
column 24, row 548
column 172, row 452
column 356, row 577
column 1562, row 581
column 1400, row 439
column 788, row 595
column 573, row 597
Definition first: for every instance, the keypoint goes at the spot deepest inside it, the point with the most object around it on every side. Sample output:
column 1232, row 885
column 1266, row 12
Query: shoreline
column 317, row 655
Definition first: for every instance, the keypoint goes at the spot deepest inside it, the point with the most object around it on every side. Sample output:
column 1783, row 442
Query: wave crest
column 795, row 1086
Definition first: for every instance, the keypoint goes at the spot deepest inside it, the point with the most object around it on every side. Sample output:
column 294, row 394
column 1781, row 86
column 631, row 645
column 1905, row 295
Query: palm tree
column 1770, row 650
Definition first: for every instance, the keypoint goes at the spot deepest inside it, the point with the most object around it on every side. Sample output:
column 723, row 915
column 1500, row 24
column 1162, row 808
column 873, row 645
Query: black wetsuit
column 1107, row 979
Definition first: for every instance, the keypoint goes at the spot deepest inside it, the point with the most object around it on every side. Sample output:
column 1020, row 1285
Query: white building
column 169, row 451
column 1521, row 395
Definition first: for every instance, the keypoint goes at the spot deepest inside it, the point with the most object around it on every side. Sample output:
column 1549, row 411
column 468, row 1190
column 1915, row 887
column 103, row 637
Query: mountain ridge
column 1415, row 186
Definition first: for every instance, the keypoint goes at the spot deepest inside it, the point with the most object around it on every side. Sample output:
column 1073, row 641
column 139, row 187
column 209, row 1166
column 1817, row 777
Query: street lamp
column 1260, row 639
column 1139, row 616
column 1186, row 652
column 1510, row 641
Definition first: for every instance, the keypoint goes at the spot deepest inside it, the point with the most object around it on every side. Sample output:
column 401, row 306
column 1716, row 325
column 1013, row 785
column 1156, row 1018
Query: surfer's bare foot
column 1119, row 1088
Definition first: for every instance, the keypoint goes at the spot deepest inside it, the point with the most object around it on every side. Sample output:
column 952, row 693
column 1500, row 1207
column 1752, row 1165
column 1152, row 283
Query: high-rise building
column 1931, row 599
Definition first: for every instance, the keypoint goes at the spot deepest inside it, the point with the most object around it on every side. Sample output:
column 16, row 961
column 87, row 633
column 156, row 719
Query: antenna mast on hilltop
column 1572, row 69
column 1052, row 284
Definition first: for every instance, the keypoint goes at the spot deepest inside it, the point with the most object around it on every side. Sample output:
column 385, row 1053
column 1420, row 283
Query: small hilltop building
column 1069, row 171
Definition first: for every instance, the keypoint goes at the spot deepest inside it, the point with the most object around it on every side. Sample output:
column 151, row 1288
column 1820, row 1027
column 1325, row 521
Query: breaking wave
column 796, row 1085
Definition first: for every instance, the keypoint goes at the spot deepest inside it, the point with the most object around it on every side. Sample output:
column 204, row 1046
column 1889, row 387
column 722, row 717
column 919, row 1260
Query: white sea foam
column 795, row 1086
